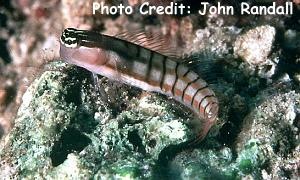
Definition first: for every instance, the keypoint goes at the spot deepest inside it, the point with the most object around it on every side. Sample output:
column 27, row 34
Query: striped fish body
column 138, row 66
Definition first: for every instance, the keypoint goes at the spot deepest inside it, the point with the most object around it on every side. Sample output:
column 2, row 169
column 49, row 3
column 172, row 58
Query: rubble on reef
column 255, row 46
column 267, row 146
column 63, row 123
column 59, row 127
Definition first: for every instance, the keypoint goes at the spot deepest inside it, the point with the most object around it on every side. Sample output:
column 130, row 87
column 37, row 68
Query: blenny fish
column 143, row 64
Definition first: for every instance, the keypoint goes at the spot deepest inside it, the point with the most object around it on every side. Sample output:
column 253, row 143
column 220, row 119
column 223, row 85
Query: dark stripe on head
column 73, row 38
column 69, row 37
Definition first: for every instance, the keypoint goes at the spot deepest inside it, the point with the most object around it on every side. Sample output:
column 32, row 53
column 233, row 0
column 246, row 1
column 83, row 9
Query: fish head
column 73, row 52
column 70, row 38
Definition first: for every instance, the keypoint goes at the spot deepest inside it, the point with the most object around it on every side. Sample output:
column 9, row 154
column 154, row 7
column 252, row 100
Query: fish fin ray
column 153, row 41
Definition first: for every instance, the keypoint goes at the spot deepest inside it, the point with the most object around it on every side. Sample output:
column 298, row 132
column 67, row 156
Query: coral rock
column 255, row 45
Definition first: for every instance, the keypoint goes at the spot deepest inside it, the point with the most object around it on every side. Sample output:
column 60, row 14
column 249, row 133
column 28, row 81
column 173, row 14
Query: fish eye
column 69, row 38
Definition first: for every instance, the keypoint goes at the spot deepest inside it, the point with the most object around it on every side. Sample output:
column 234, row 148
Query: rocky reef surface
column 62, row 130
column 73, row 125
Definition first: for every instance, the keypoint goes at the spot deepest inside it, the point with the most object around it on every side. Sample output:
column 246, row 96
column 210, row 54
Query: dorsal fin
column 153, row 41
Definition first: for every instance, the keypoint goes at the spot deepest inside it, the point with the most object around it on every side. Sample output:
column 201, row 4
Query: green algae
column 250, row 158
